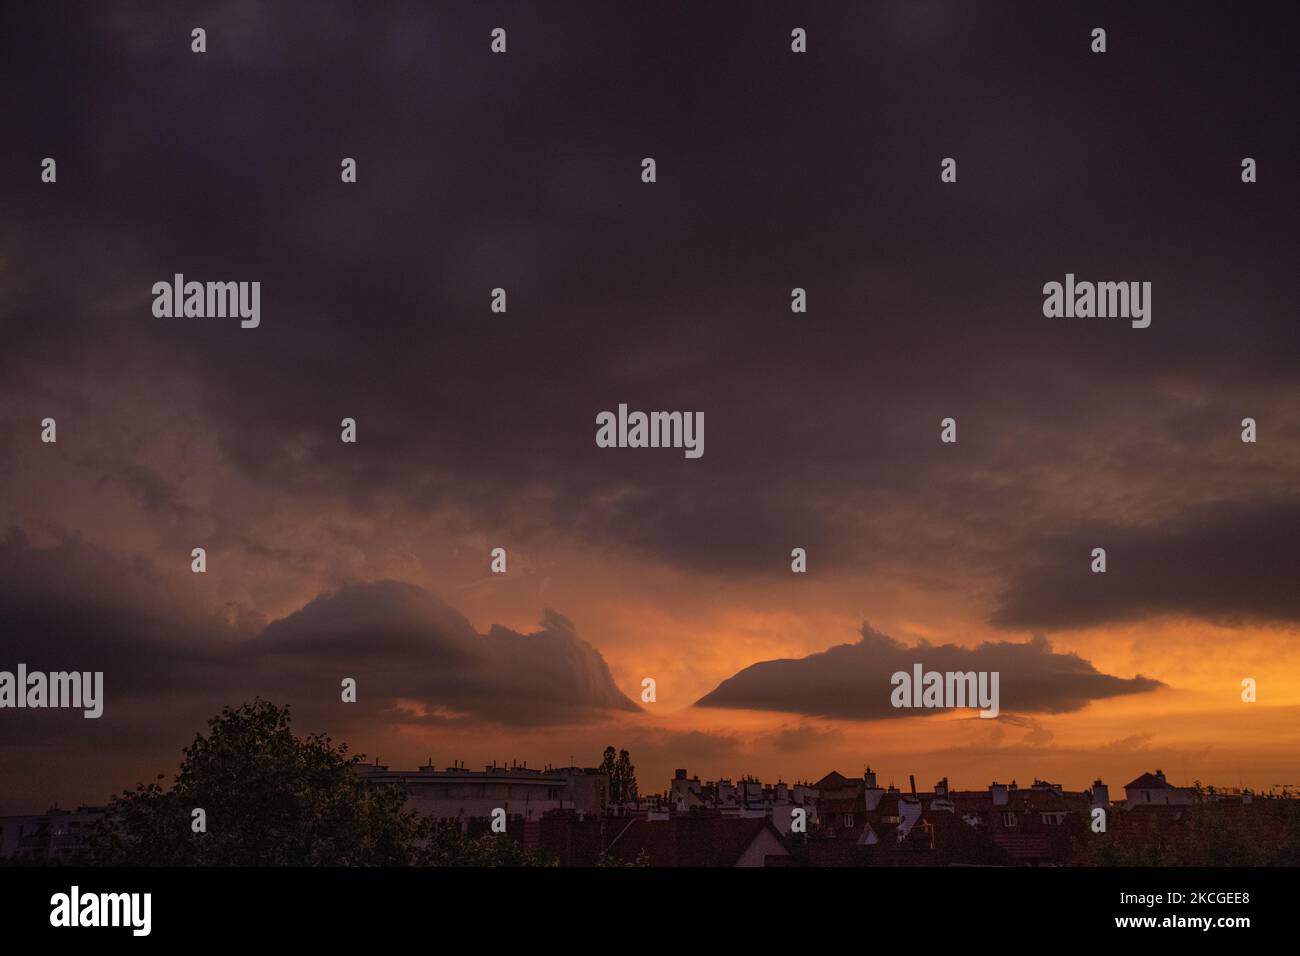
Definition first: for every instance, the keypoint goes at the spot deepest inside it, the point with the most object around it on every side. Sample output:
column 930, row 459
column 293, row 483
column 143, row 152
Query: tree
column 605, row 859
column 609, row 767
column 627, row 776
column 618, row 767
column 1265, row 832
column 269, row 798
column 446, row 845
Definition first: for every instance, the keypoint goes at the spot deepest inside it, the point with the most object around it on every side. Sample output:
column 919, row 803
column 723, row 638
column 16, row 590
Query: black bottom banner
column 376, row 905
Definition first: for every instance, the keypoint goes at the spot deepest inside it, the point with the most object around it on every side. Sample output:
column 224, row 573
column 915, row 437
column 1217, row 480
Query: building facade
column 460, row 794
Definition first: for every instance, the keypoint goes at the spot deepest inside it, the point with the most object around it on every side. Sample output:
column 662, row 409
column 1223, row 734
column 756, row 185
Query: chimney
column 941, row 789
column 679, row 774
column 912, row 779
column 1160, row 775
column 1100, row 794
column 909, row 812
column 999, row 793
column 873, row 792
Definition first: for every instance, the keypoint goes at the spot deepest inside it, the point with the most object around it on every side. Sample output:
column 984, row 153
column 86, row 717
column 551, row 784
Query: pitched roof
column 691, row 841
column 936, row 840
column 833, row 781
column 1148, row 781
column 959, row 843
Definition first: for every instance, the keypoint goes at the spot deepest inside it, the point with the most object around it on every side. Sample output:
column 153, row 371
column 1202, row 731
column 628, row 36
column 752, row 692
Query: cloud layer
column 852, row 681
column 1228, row 562
column 75, row 606
column 402, row 643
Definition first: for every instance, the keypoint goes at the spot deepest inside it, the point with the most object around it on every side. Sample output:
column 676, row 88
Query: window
column 1008, row 819
column 848, row 819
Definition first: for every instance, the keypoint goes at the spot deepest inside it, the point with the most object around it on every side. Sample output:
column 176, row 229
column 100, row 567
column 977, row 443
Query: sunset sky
column 476, row 430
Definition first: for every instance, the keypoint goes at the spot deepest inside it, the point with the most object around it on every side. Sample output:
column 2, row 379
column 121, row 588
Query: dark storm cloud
column 152, row 490
column 85, row 606
column 399, row 641
column 852, row 681
column 520, row 171
column 72, row 606
column 167, row 664
column 1230, row 563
